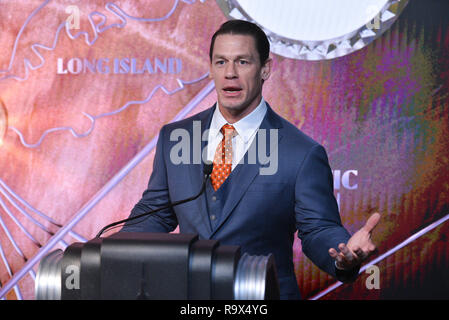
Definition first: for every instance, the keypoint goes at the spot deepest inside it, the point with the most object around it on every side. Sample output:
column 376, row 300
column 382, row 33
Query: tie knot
column 228, row 130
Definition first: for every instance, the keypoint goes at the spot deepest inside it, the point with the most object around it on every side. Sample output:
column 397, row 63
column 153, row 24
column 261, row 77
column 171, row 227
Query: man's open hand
column 358, row 248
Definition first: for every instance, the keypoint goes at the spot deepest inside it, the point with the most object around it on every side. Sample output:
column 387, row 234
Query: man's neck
column 232, row 116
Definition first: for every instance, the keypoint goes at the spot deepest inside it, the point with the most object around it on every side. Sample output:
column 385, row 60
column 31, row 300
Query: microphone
column 207, row 170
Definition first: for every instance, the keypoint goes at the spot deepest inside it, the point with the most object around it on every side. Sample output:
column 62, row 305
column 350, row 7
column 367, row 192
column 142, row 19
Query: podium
column 155, row 266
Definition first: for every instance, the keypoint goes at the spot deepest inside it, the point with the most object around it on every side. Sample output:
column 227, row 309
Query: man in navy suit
column 269, row 180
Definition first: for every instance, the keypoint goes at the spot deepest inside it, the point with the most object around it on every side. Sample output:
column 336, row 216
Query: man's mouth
column 232, row 90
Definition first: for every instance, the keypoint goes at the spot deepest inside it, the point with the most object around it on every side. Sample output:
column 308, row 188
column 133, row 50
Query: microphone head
column 208, row 166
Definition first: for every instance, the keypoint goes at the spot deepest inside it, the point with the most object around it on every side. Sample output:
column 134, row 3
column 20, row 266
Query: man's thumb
column 373, row 220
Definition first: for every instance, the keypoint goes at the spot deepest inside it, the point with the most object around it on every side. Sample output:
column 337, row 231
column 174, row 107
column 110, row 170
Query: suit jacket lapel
column 245, row 173
column 196, row 170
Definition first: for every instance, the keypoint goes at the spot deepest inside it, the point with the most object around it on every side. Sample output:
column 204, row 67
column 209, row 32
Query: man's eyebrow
column 218, row 56
column 245, row 56
column 241, row 56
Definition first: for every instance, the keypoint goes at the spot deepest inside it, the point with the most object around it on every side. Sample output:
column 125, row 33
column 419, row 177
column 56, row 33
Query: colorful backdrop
column 81, row 106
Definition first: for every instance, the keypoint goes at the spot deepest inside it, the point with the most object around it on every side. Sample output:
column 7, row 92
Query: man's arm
column 155, row 196
column 317, row 217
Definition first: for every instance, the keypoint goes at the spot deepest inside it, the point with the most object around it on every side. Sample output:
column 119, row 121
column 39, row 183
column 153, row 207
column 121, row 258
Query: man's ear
column 266, row 69
column 210, row 71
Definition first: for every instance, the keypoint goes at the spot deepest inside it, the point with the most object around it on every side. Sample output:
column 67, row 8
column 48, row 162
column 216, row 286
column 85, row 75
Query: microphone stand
column 207, row 171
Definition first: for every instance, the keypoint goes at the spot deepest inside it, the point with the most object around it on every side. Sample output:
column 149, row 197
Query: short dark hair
column 242, row 27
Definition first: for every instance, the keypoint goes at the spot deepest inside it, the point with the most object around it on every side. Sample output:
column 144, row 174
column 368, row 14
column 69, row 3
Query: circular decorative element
column 320, row 29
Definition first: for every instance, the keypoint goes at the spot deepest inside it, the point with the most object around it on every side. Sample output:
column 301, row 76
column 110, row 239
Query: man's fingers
column 333, row 253
column 345, row 258
column 372, row 222
column 337, row 256
column 346, row 252
column 360, row 254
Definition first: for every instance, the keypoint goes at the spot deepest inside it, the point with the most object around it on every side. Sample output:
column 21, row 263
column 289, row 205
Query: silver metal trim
column 48, row 280
column 250, row 279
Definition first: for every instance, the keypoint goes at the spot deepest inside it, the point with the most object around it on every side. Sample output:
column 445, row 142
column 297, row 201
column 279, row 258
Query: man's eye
column 243, row 62
column 219, row 62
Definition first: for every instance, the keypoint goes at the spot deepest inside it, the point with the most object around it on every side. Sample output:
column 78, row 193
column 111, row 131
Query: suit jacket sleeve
column 317, row 216
column 155, row 196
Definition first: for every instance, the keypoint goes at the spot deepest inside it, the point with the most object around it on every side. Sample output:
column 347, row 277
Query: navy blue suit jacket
column 261, row 213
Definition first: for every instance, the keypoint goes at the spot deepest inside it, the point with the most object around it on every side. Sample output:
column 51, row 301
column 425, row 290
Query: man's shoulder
column 292, row 134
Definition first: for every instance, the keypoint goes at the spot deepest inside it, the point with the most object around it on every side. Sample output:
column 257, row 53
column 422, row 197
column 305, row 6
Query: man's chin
column 231, row 104
column 232, row 108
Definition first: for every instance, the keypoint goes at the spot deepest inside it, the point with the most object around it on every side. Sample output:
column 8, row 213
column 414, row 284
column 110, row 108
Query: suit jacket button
column 214, row 198
column 213, row 217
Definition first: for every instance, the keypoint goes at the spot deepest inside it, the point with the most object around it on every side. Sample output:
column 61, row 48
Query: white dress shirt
column 246, row 129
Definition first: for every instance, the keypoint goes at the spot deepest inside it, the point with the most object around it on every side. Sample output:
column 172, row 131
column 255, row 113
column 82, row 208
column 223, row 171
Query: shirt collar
column 245, row 127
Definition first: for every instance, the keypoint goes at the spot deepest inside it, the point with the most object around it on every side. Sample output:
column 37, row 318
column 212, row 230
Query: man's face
column 238, row 73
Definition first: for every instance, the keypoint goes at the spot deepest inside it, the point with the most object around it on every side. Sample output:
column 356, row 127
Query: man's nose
column 231, row 71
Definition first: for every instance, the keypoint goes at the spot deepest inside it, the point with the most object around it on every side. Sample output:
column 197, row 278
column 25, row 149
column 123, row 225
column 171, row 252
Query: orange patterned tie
column 223, row 157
